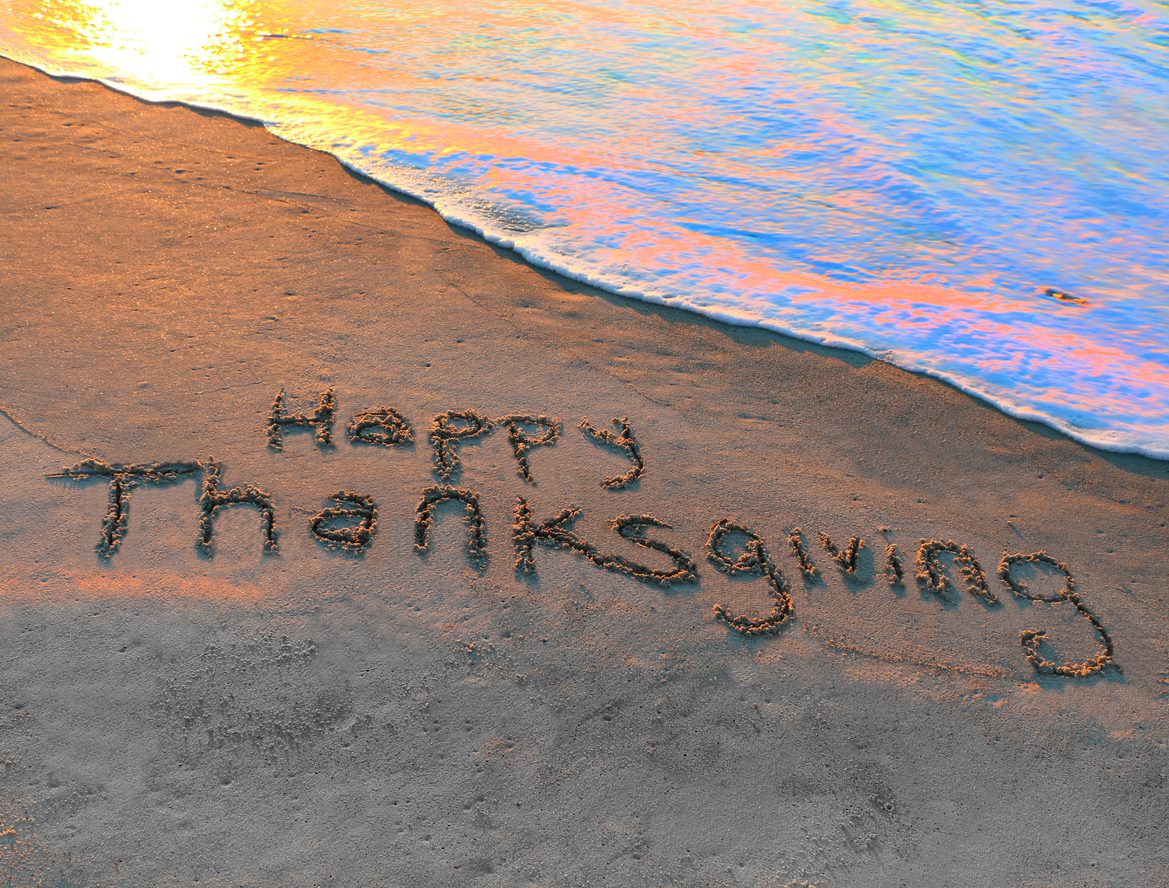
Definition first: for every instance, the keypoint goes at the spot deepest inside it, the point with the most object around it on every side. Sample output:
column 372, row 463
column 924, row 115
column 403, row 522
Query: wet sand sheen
column 397, row 718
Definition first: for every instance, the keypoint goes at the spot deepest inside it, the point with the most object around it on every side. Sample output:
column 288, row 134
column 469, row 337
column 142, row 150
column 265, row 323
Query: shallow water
column 974, row 190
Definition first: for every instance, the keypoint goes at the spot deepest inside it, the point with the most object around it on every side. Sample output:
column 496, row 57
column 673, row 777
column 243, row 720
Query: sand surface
column 312, row 717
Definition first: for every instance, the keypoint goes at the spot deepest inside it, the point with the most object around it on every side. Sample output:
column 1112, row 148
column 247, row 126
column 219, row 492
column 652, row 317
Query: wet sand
column 312, row 716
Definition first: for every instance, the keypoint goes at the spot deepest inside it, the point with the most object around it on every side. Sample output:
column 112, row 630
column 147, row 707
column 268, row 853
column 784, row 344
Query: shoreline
column 415, row 709
column 562, row 275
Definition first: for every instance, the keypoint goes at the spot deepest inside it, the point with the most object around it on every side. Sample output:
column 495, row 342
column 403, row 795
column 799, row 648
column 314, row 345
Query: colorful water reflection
column 929, row 182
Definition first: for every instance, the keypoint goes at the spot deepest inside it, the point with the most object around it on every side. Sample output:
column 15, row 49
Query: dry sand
column 313, row 717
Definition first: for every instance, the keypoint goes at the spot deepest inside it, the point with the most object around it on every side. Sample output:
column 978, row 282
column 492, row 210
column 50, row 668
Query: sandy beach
column 550, row 713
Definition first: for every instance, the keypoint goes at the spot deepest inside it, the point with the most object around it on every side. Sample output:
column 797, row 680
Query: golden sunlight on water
column 168, row 43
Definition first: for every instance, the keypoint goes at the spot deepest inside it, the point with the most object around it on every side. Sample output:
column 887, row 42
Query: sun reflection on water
column 168, row 43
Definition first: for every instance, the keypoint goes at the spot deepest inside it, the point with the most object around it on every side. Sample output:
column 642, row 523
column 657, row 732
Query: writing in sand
column 349, row 522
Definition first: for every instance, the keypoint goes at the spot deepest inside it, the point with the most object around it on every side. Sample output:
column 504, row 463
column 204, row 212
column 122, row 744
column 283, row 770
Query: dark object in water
column 1064, row 296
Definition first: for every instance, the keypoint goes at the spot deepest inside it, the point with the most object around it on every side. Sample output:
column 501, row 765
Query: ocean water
column 973, row 189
